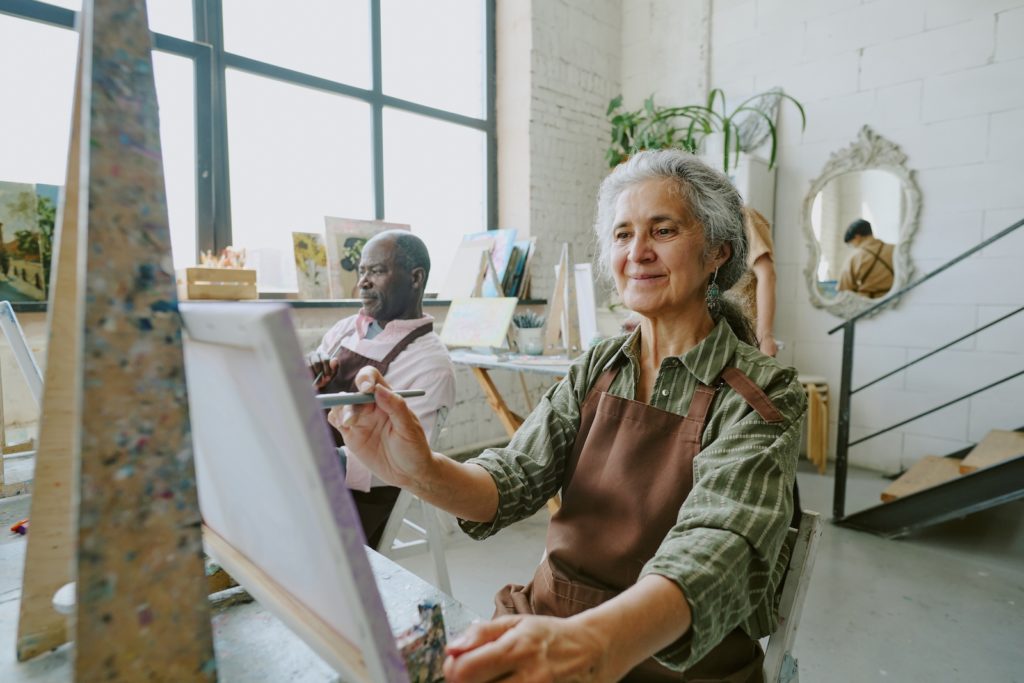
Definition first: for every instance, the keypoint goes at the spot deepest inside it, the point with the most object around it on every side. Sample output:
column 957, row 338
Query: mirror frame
column 870, row 151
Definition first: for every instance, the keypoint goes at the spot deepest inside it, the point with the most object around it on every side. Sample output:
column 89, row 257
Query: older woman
column 674, row 447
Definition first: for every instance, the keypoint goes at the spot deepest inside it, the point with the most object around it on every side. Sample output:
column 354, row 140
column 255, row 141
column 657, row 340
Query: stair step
column 997, row 446
column 931, row 470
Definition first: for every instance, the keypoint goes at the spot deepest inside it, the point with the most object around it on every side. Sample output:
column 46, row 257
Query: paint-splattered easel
column 115, row 504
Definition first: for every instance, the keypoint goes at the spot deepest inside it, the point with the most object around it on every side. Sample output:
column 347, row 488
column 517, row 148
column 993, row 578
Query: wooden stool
column 816, row 387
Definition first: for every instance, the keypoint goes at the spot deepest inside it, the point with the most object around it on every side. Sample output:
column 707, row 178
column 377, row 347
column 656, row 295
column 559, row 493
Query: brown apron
column 374, row 506
column 629, row 473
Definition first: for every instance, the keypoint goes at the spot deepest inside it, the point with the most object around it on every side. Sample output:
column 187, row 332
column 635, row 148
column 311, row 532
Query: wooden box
column 229, row 284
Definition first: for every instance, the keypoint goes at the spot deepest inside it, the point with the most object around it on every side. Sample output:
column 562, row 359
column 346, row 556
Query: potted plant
column 529, row 332
column 686, row 127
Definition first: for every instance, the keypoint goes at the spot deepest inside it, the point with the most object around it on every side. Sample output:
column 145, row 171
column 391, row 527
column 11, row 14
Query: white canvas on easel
column 586, row 306
column 469, row 268
column 275, row 509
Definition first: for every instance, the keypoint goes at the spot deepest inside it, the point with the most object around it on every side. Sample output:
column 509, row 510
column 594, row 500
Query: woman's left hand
column 529, row 648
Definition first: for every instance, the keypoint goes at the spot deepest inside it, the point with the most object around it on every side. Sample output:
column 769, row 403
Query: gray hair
column 712, row 199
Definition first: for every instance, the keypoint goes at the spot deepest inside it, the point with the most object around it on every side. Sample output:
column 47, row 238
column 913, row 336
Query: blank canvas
column 271, row 486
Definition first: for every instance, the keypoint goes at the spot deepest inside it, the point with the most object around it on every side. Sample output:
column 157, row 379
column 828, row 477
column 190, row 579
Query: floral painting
column 27, row 217
column 311, row 265
column 345, row 240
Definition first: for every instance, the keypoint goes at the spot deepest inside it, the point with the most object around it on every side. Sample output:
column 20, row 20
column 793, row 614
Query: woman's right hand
column 385, row 435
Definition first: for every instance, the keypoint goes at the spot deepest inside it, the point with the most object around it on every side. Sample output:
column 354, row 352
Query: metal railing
column 843, row 442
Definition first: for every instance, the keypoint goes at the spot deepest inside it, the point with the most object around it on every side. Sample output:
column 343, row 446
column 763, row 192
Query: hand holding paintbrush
column 323, row 366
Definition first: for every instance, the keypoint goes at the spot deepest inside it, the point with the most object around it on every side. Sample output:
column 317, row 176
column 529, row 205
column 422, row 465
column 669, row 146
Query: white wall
column 575, row 60
column 944, row 79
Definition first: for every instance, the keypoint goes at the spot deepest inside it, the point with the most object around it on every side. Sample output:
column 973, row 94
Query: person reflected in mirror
column 869, row 270
column 674, row 448
column 755, row 292
column 392, row 334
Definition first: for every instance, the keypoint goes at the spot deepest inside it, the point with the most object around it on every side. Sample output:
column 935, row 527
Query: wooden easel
column 11, row 330
column 562, row 317
column 114, row 430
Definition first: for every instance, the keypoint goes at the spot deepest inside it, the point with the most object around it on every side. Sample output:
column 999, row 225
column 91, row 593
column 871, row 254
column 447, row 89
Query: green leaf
column 614, row 104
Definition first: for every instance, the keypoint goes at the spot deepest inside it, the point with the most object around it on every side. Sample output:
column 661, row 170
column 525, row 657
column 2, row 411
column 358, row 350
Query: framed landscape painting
column 27, row 216
column 345, row 238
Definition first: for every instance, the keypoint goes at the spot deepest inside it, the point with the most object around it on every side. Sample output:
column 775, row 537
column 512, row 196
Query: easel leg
column 50, row 554
column 509, row 420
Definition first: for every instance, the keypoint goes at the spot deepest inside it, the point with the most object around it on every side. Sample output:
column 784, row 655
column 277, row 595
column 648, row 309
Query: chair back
column 428, row 536
column 791, row 600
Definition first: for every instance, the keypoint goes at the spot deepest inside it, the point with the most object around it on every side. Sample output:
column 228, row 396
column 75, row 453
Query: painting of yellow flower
column 311, row 265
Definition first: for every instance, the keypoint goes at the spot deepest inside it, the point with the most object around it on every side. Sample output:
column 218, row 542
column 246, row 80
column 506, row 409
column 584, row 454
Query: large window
column 274, row 115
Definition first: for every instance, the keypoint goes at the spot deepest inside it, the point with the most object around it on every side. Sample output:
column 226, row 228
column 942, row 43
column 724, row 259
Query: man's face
column 387, row 289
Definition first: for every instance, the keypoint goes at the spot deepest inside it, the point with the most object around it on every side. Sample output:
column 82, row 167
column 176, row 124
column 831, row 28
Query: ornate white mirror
column 851, row 265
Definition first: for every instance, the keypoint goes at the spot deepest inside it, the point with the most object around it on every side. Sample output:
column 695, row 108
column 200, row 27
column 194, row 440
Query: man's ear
column 419, row 278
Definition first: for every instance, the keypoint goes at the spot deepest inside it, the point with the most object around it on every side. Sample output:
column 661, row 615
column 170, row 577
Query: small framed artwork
column 345, row 239
column 311, row 265
column 27, row 216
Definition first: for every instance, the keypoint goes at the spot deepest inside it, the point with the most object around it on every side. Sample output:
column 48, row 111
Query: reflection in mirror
column 874, row 197
column 859, row 218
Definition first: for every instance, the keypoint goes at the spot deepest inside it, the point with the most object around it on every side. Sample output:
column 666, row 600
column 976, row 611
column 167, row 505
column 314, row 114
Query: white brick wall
column 576, row 57
column 942, row 78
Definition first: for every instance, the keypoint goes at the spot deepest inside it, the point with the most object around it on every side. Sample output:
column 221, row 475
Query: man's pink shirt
column 424, row 364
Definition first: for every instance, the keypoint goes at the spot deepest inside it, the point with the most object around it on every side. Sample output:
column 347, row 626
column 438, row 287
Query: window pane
column 35, row 119
column 175, row 91
column 433, row 53
column 435, row 179
column 326, row 38
column 172, row 17
column 75, row 5
column 296, row 156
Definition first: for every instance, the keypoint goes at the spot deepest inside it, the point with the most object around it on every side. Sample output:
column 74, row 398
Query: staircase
column 936, row 489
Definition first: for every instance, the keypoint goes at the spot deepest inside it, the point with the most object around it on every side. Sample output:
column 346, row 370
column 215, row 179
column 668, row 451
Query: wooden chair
column 779, row 664
column 428, row 535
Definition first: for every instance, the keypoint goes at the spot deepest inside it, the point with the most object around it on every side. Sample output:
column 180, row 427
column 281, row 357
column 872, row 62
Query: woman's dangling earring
column 711, row 297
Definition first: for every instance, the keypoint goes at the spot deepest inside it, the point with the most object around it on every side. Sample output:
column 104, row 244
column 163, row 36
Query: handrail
column 941, row 348
column 893, row 297
column 843, row 442
column 936, row 408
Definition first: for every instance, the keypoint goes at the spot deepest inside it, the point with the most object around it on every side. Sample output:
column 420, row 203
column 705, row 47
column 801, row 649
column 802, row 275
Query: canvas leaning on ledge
column 311, row 265
column 345, row 239
column 27, row 216
column 478, row 321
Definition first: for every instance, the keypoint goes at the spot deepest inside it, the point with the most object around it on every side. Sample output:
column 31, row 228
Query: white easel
column 562, row 331
column 34, row 379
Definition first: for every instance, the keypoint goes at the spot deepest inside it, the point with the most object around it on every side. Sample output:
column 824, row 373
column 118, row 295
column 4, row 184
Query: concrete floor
column 946, row 605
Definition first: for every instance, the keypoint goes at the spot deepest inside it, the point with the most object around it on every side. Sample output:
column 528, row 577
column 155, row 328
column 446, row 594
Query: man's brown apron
column 374, row 506
column 630, row 471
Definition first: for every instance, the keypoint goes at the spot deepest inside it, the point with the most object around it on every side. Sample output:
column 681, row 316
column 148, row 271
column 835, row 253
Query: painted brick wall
column 944, row 79
column 575, row 63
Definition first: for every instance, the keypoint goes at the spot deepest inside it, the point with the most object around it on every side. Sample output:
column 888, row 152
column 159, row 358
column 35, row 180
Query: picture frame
column 345, row 238
column 27, row 218
column 311, row 265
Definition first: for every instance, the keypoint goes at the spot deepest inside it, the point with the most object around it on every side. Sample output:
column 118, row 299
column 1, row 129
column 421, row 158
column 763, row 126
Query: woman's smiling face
column 657, row 252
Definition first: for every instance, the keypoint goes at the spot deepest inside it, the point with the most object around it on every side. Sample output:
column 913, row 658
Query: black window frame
column 210, row 63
